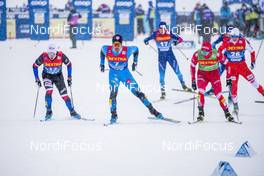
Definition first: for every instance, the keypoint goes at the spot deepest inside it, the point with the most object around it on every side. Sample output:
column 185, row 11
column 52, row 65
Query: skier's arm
column 252, row 52
column 177, row 38
column 67, row 62
column 102, row 57
column 218, row 40
column 146, row 40
column 193, row 65
column 133, row 50
column 36, row 64
column 221, row 58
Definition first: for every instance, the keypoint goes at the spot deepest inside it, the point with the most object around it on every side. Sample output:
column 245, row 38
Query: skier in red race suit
column 234, row 49
column 208, row 72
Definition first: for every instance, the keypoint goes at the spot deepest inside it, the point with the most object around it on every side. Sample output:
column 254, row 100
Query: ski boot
column 48, row 115
column 163, row 94
column 201, row 114
column 228, row 116
column 75, row 115
column 114, row 117
column 185, row 88
column 154, row 112
column 236, row 109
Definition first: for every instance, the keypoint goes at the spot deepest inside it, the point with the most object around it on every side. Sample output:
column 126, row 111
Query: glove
column 175, row 43
column 146, row 42
column 38, row 82
column 69, row 80
column 102, row 68
column 194, row 85
column 134, row 65
column 228, row 82
column 252, row 65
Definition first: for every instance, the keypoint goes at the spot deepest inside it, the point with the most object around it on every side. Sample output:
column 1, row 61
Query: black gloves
column 38, row 82
column 229, row 82
column 194, row 86
column 134, row 66
column 69, row 80
column 175, row 43
column 102, row 68
column 252, row 65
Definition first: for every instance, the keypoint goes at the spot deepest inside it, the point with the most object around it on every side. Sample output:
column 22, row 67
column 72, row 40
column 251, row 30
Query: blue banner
column 39, row 19
column 165, row 11
column 124, row 14
column 22, row 25
column 238, row 1
column 85, row 24
column 2, row 20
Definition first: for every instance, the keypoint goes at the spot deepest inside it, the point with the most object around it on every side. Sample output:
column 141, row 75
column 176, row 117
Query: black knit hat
column 117, row 38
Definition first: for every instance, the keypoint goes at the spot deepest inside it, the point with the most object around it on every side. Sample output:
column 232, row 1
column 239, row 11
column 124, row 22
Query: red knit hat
column 206, row 46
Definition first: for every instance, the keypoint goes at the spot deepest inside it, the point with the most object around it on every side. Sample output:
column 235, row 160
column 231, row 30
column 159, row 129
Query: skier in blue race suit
column 117, row 57
column 164, row 40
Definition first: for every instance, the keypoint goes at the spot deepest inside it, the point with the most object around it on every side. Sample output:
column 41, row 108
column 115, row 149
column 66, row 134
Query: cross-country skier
column 208, row 72
column 164, row 40
column 234, row 49
column 52, row 61
column 117, row 56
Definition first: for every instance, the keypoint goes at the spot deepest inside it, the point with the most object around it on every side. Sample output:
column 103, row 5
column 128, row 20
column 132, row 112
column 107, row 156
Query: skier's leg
column 129, row 81
column 60, row 84
column 175, row 66
column 201, row 83
column 249, row 76
column 162, row 70
column 217, row 87
column 48, row 84
column 113, row 85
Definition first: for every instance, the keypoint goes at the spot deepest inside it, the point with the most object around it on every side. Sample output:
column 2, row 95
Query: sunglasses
column 205, row 53
column 234, row 37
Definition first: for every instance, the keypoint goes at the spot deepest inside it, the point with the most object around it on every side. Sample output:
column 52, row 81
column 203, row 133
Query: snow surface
column 137, row 146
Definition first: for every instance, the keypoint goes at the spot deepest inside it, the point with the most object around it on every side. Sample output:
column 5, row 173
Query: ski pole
column 260, row 46
column 71, row 96
column 194, row 98
column 183, row 101
column 139, row 73
column 153, row 48
column 182, row 53
column 36, row 102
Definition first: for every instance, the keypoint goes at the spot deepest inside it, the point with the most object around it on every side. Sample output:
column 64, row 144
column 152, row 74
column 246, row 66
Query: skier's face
column 205, row 53
column 52, row 55
column 117, row 46
column 162, row 29
column 234, row 38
